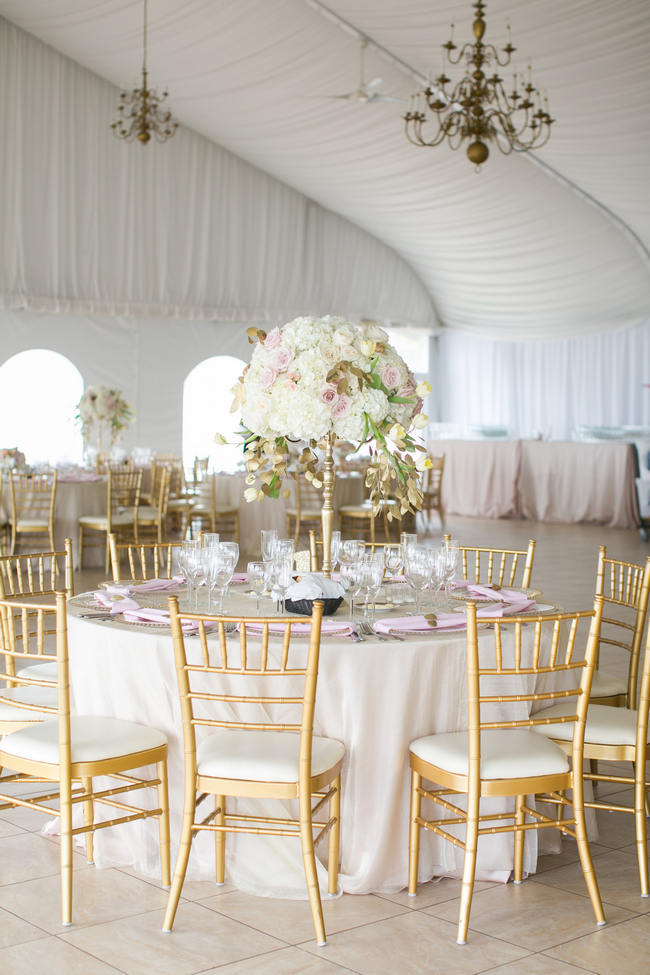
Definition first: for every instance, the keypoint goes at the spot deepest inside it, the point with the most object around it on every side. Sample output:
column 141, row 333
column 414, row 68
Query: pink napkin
column 418, row 624
column 507, row 609
column 328, row 626
column 158, row 585
column 239, row 577
column 499, row 595
column 160, row 616
column 115, row 600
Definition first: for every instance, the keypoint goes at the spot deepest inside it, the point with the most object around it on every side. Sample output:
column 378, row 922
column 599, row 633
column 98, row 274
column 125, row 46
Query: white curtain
column 94, row 226
column 545, row 388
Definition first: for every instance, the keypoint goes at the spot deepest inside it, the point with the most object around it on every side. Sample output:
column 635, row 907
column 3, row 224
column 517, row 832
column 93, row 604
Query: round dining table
column 375, row 695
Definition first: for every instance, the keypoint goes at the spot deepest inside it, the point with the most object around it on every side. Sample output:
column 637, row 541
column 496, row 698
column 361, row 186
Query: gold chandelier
column 140, row 113
column 479, row 108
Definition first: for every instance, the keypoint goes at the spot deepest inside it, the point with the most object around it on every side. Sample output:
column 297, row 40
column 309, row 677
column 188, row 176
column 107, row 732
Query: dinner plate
column 466, row 597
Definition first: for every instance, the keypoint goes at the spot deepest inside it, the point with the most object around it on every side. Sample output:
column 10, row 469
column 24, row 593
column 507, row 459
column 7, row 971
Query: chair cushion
column 147, row 513
column 32, row 524
column 607, row 685
column 505, row 754
column 93, row 740
column 262, row 756
column 44, row 671
column 606, row 725
column 40, row 696
column 100, row 522
column 224, row 512
column 179, row 503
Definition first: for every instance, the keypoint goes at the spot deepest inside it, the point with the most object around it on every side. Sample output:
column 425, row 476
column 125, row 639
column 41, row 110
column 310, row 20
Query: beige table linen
column 480, row 477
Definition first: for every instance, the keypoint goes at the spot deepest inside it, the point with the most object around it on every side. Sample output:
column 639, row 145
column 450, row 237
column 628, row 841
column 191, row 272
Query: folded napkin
column 158, row 585
column 314, row 585
column 420, row 624
column 507, row 609
column 327, row 627
column 160, row 616
column 239, row 577
column 499, row 595
column 116, row 600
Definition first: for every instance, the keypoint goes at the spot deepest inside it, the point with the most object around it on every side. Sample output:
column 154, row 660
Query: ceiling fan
column 368, row 91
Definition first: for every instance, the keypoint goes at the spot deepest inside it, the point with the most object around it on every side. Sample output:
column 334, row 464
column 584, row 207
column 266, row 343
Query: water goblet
column 269, row 538
column 418, row 571
column 284, row 546
column 221, row 568
column 451, row 556
column 351, row 577
column 209, row 539
column 407, row 540
column 232, row 548
column 393, row 559
column 188, row 565
column 372, row 578
column 258, row 578
column 282, row 575
column 334, row 549
column 351, row 550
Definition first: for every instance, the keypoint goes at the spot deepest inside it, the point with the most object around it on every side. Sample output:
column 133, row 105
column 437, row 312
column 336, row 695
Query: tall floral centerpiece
column 318, row 379
column 102, row 413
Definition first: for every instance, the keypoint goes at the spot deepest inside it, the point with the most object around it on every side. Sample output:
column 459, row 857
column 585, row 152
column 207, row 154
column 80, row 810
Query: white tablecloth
column 480, row 477
column 374, row 696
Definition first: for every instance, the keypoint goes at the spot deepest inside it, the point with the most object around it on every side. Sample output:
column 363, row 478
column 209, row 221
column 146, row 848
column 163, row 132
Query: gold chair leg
column 583, row 845
column 182, row 858
column 89, row 819
column 334, row 839
column 469, row 866
column 237, row 527
column 414, row 833
column 640, row 825
column 66, row 852
column 81, row 547
column 220, row 839
column 520, row 819
column 309, row 863
column 163, row 823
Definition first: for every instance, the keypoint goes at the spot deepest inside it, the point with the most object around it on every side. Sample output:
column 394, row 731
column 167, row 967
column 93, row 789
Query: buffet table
column 541, row 480
column 375, row 696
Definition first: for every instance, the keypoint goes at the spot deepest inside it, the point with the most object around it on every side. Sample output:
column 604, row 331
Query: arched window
column 206, row 410
column 39, row 390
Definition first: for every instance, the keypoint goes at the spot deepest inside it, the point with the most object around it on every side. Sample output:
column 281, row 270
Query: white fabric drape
column 545, row 388
column 95, row 226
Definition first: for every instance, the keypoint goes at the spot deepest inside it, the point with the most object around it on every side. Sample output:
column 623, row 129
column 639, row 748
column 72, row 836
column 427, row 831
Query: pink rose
column 273, row 339
column 406, row 391
column 342, row 407
column 281, row 358
column 390, row 376
column 329, row 395
column 267, row 378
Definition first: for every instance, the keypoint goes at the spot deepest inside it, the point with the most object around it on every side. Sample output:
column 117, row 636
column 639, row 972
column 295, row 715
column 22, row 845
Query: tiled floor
column 543, row 927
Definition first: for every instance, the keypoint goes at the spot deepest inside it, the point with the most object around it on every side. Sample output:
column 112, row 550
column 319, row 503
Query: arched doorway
column 207, row 399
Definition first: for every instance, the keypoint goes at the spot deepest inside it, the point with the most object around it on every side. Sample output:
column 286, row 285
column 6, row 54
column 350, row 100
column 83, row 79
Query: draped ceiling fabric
column 524, row 250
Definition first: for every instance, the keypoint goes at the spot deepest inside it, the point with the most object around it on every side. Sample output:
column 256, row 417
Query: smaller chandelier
column 479, row 109
column 140, row 113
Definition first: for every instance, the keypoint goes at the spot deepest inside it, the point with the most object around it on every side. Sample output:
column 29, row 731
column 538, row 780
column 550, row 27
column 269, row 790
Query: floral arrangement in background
column 320, row 378
column 101, row 406
column 11, row 458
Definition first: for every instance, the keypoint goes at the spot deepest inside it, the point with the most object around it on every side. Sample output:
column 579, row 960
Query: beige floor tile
column 618, row 880
column 200, row 939
column 531, row 914
column 435, row 892
column 29, row 819
column 98, row 896
column 569, row 854
column 14, row 930
column 293, row 917
column 193, row 890
column 621, row 949
column 537, row 965
column 411, row 944
column 616, row 829
column 25, row 856
column 9, row 829
column 289, row 961
column 50, row 956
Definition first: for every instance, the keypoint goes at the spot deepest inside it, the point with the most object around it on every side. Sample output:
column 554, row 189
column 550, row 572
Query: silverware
column 369, row 630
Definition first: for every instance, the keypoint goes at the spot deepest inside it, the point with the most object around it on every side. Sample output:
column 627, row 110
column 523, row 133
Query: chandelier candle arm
column 478, row 109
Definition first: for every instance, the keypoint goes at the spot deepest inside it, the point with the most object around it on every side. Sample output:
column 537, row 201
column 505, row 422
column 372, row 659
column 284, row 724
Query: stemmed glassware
column 259, row 574
column 209, row 539
column 372, row 576
column 351, row 578
column 282, row 575
column 418, row 569
column 221, row 565
column 334, row 549
column 351, row 550
column 393, row 561
column 189, row 562
column 269, row 538
column 450, row 554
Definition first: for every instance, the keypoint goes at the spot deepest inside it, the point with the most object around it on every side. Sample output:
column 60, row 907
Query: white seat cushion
column 24, row 524
column 179, row 503
column 93, row 740
column 505, row 754
column 606, row 725
column 262, row 756
column 45, row 697
column 147, row 513
column 101, row 521
column 44, row 671
column 607, row 685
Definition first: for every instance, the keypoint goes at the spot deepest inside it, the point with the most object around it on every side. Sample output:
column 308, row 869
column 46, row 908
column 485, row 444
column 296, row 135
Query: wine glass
column 393, row 559
column 189, row 565
column 406, row 540
column 451, row 556
column 258, row 578
column 372, row 577
column 284, row 546
column 334, row 549
column 209, row 539
column 418, row 571
column 351, row 550
column 282, row 575
column 221, row 568
column 351, row 577
column 232, row 548
column 269, row 538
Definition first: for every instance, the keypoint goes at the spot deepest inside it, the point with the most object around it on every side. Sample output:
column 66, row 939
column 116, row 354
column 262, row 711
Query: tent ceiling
column 514, row 251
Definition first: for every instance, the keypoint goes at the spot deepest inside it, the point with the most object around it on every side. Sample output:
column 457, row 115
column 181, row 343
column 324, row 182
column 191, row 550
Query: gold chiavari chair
column 37, row 574
column 32, row 506
column 145, row 560
column 122, row 501
column 432, row 491
column 359, row 520
column 259, row 753
column 205, row 510
column 616, row 734
column 151, row 520
column 624, row 587
column 499, row 566
column 507, row 756
column 67, row 748
column 306, row 509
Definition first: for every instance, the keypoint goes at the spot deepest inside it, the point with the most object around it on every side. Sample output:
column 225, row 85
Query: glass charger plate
column 465, row 597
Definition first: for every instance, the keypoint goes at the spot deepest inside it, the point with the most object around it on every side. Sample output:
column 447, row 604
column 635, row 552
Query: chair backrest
column 200, row 469
column 643, row 708
column 625, row 587
column 37, row 573
column 33, row 496
column 25, row 625
column 432, row 484
column 257, row 675
column 146, row 560
column 123, row 491
column 207, row 493
column 513, row 654
column 502, row 566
